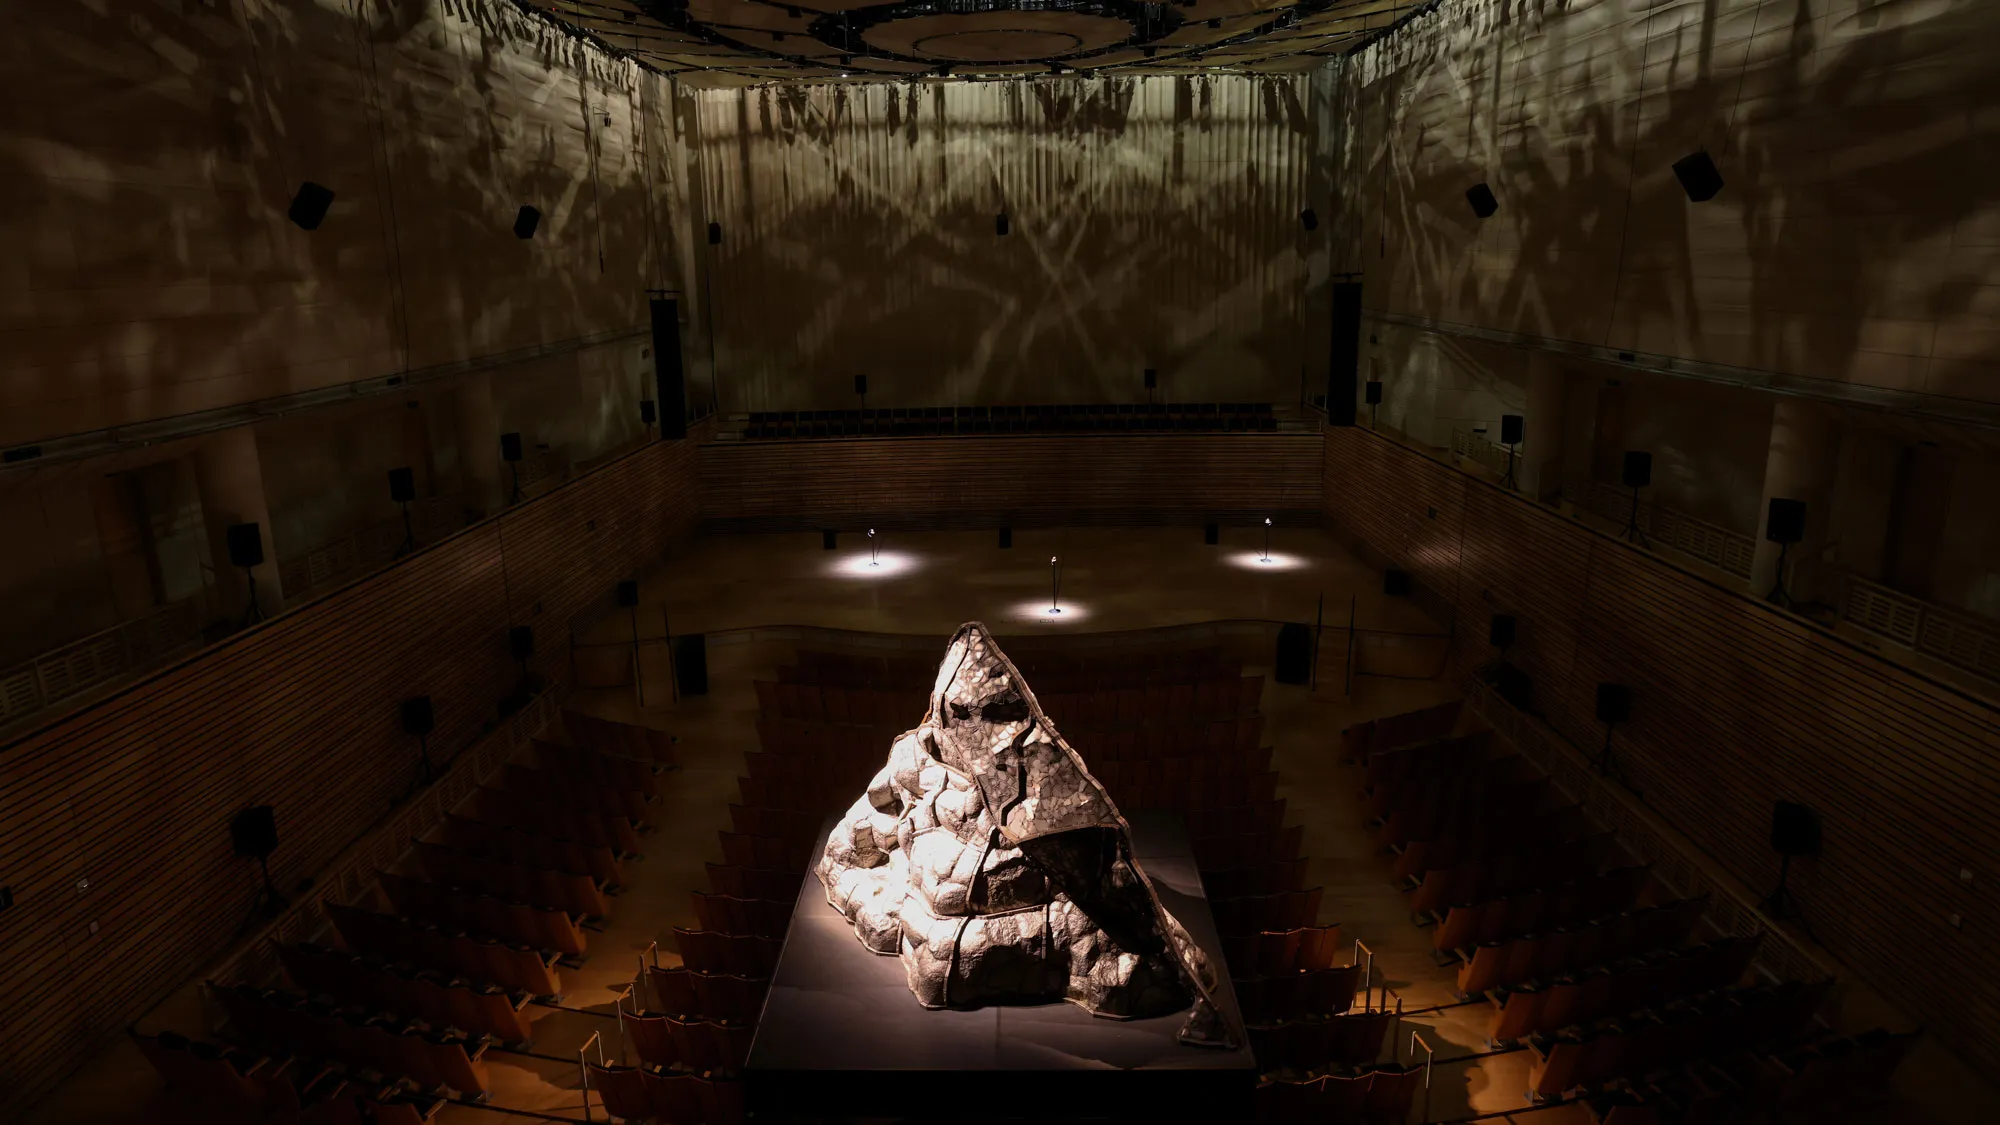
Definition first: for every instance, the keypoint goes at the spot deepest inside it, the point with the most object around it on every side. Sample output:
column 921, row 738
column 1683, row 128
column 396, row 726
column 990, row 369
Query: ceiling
column 738, row 42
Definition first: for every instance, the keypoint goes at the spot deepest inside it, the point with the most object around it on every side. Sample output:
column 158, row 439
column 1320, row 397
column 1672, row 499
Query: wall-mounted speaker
column 691, row 663
column 309, row 205
column 1698, row 176
column 715, row 234
column 1396, row 583
column 1373, row 392
column 1006, row 538
column 1786, row 521
column 649, row 411
column 826, row 539
column 521, row 642
column 1000, row 227
column 1794, row 829
column 253, row 833
column 1638, row 468
column 418, row 718
column 510, row 447
column 525, row 222
column 1500, row 631
column 1309, row 220
column 1295, row 653
column 1211, row 533
column 1512, row 427
column 1614, row 703
column 1152, row 379
column 1481, row 198
column 402, row 485
column 861, row 384
column 246, row 545
column 669, row 379
column 628, row 594
column 1343, row 362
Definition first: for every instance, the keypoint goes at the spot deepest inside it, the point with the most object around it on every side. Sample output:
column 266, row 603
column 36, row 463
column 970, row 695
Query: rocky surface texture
column 988, row 858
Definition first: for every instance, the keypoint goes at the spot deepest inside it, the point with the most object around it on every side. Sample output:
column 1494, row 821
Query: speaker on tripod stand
column 403, row 489
column 418, row 722
column 253, row 834
column 246, row 552
column 1638, row 474
column 1794, row 832
column 1784, row 524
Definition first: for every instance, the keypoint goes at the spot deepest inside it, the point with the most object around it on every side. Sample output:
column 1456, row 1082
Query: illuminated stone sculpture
column 988, row 858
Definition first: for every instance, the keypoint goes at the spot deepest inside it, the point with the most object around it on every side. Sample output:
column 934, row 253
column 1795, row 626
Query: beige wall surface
column 1154, row 222
column 1856, row 238
column 151, row 150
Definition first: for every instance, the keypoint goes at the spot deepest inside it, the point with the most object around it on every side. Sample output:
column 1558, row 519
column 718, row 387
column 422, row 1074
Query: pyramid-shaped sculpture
column 988, row 858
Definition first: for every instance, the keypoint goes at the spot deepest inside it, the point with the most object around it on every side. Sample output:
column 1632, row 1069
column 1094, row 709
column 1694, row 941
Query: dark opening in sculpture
column 987, row 857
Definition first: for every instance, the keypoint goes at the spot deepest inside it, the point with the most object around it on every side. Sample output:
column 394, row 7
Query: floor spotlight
column 1055, row 583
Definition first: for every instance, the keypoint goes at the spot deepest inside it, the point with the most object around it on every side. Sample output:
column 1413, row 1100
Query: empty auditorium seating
column 226, row 1080
column 752, row 882
column 725, row 997
column 701, row 1099
column 538, row 886
column 1376, row 1095
column 767, row 853
column 1622, row 986
column 931, row 421
column 1296, row 996
column 747, row 955
column 1426, row 724
column 537, row 926
column 440, row 1001
column 531, row 849
column 1577, row 900
column 1250, row 914
column 626, row 740
column 700, row 1045
column 359, row 1038
column 1304, row 949
column 1352, row 1039
column 484, row 960
column 1550, row 953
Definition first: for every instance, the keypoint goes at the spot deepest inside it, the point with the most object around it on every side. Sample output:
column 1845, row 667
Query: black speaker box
column 1211, row 533
column 1373, row 391
column 1794, row 829
column 1000, row 226
column 715, row 234
column 648, row 412
column 1512, row 685
column 1481, row 198
column 418, row 718
column 1396, row 583
column 1500, row 631
column 402, row 485
column 510, row 447
column 628, row 594
column 1512, row 427
column 521, row 641
column 309, row 205
column 1006, row 537
column 1343, row 366
column 1698, row 176
column 1309, row 220
column 826, row 539
column 525, row 222
column 253, row 833
column 1638, row 468
column 691, row 663
column 861, row 384
column 1295, row 653
column 1786, row 522
column 246, row 545
column 1614, row 703
column 669, row 378
column 1152, row 379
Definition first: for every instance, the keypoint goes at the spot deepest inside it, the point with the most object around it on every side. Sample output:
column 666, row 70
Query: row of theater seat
column 753, row 882
column 517, row 968
column 1046, row 671
column 1258, row 879
column 228, row 1084
column 1276, row 953
column 723, row 997
column 769, row 853
column 1425, row 724
column 1509, row 871
column 643, row 1093
column 1551, row 825
column 544, row 813
column 598, row 767
column 509, row 844
column 1377, row 1095
column 699, row 1045
column 577, row 894
column 428, row 995
column 625, row 740
column 725, row 914
column 389, row 1046
column 1717, row 1023
column 859, row 706
column 1194, row 738
column 518, row 922
column 1252, row 914
column 1253, row 847
column 554, row 786
column 1305, row 1045
column 1610, row 938
column 1622, row 986
column 1562, row 904
column 747, row 955
column 1297, row 996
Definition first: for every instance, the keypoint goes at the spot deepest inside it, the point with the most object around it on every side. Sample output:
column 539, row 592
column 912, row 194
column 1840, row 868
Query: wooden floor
column 1112, row 580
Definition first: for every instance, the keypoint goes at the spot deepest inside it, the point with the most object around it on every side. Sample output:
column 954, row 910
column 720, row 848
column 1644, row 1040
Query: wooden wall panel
column 135, row 794
column 1736, row 705
column 983, row 481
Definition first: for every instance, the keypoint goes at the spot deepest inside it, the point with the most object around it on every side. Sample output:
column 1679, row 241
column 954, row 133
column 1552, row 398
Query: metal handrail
column 76, row 667
column 1430, row 1061
column 583, row 1067
column 1963, row 640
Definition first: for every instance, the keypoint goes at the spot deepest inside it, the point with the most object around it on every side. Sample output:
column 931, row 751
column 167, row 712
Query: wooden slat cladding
column 135, row 794
column 963, row 482
column 1735, row 705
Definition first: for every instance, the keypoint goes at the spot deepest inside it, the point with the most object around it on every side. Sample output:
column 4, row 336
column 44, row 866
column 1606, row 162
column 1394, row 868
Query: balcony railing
column 332, row 563
column 1666, row 527
column 1960, row 639
column 92, row 661
column 1473, row 447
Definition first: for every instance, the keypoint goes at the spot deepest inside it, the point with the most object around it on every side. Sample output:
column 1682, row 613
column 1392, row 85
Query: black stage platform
column 841, row 1035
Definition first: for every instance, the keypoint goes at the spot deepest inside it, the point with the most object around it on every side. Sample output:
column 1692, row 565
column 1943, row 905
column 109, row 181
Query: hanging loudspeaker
column 521, row 641
column 715, row 234
column 1152, row 379
column 418, row 719
column 1373, row 391
column 1698, row 176
column 402, row 485
column 253, row 833
column 1396, row 583
column 525, row 222
column 1309, row 220
column 1511, row 427
column 510, row 447
column 861, row 384
column 246, row 545
column 1614, row 703
column 309, row 205
column 826, row 539
column 1794, row 829
column 1006, row 537
column 1211, row 533
column 649, row 411
column 1638, row 468
column 1786, row 522
column 1500, row 632
column 1000, row 225
column 691, row 663
column 628, row 594
column 1481, row 198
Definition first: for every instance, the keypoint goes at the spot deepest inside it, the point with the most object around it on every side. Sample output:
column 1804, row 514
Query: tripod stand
column 252, row 613
column 1632, row 532
column 1778, row 595
column 1780, row 904
column 409, row 536
column 270, row 903
column 1507, row 482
